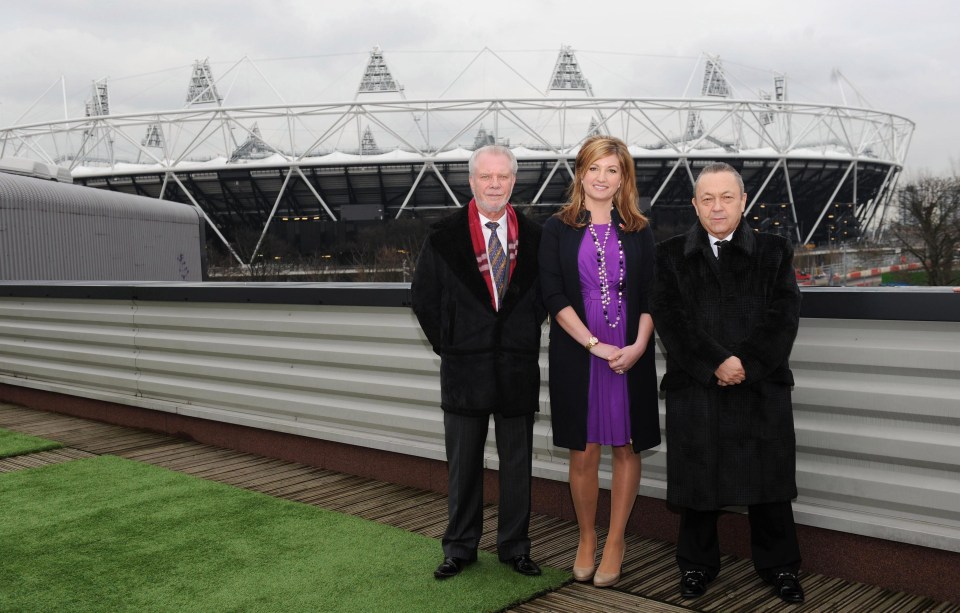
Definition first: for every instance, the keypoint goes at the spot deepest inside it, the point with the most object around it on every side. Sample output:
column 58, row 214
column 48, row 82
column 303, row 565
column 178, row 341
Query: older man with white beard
column 476, row 295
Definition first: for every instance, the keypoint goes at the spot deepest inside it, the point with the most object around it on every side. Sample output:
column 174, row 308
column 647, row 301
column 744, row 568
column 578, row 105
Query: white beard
column 488, row 210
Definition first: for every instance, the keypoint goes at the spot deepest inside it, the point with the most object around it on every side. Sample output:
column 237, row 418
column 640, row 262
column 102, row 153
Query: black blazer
column 569, row 361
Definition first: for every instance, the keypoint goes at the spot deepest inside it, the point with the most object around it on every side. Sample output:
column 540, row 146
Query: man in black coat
column 476, row 295
column 727, row 307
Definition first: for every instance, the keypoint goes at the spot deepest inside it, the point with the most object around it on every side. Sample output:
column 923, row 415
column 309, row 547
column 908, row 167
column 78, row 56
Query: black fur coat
column 489, row 360
column 727, row 445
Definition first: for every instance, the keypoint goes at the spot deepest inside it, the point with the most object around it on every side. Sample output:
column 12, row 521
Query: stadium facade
column 818, row 173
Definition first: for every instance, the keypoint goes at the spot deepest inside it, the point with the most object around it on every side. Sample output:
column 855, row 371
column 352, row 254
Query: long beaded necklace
column 605, row 294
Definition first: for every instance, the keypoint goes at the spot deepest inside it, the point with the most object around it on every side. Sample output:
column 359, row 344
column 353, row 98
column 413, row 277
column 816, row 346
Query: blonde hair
column 626, row 201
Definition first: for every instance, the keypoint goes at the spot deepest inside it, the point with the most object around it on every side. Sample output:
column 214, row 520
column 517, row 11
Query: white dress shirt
column 713, row 243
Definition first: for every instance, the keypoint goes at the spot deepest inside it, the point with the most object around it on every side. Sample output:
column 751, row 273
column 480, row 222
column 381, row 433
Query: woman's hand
column 622, row 360
column 603, row 350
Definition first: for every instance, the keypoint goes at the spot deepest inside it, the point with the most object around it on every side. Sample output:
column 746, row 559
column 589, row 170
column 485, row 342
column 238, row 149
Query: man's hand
column 730, row 372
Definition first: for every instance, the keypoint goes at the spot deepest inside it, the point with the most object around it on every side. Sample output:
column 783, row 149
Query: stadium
column 820, row 173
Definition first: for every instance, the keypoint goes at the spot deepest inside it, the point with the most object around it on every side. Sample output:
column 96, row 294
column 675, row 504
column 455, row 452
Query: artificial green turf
column 14, row 443
column 108, row 534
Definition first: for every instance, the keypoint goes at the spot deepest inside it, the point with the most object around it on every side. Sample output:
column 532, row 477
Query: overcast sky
column 896, row 57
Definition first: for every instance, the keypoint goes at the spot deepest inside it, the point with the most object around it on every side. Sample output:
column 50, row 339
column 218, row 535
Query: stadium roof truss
column 316, row 159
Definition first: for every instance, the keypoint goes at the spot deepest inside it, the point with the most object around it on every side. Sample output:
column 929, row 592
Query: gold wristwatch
column 592, row 342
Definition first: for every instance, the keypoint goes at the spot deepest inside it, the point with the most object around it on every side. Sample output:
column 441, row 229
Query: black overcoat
column 731, row 445
column 489, row 359
column 569, row 361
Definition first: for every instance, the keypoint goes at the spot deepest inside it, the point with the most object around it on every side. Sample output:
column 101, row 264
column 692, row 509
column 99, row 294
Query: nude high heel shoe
column 601, row 579
column 584, row 573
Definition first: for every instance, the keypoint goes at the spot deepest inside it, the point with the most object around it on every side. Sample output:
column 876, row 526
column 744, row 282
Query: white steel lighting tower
column 96, row 134
column 202, row 88
column 567, row 75
column 368, row 144
column 766, row 117
column 253, row 148
column 714, row 82
column 154, row 136
column 152, row 139
column 99, row 102
column 780, row 95
column 780, row 87
column 377, row 78
column 715, row 86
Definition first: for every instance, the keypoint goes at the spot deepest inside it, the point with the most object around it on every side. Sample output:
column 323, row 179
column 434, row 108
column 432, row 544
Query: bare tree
column 929, row 225
column 385, row 251
column 388, row 251
column 273, row 258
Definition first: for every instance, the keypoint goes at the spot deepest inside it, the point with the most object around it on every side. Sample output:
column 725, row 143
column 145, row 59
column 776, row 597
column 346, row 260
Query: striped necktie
column 498, row 261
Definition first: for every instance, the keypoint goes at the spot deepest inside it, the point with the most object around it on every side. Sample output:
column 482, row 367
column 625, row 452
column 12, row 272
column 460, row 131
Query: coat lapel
column 696, row 243
column 525, row 273
column 743, row 239
column 452, row 243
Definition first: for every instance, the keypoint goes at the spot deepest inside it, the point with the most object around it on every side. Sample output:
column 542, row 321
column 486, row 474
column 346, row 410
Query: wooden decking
column 649, row 582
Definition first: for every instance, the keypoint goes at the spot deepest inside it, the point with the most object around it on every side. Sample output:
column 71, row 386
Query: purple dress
column 608, row 404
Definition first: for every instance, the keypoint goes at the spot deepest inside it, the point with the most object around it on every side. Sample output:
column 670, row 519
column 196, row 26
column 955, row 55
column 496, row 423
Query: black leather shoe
column 525, row 566
column 787, row 587
column 451, row 567
column 693, row 583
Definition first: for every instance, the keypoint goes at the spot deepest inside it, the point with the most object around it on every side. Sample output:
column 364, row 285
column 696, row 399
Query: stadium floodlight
column 203, row 87
column 99, row 103
column 377, row 77
column 254, row 148
column 154, row 136
column 567, row 75
column 714, row 82
column 368, row 144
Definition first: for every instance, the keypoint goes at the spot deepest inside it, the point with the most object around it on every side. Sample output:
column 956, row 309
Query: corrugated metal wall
column 877, row 403
column 53, row 231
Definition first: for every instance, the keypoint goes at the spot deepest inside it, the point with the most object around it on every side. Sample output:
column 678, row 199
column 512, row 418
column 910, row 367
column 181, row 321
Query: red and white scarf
column 480, row 246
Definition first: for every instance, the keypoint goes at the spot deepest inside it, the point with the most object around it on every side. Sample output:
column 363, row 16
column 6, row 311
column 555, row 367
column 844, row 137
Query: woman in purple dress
column 596, row 264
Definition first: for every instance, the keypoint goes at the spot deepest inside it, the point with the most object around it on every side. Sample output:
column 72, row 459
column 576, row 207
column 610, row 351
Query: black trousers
column 465, row 437
column 773, row 540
